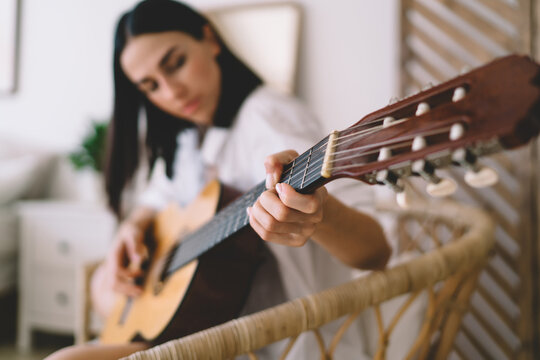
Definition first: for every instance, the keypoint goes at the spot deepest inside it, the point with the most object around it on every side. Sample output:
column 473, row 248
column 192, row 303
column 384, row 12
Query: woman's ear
column 210, row 37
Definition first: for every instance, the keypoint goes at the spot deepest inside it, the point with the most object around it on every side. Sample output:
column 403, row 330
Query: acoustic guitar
column 202, row 264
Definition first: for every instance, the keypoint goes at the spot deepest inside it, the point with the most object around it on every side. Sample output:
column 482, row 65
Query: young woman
column 208, row 116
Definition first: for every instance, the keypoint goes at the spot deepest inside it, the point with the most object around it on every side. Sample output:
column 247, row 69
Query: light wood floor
column 43, row 345
column 11, row 353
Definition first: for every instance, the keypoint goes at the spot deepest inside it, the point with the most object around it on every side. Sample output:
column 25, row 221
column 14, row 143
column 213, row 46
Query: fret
column 291, row 173
column 306, row 169
column 234, row 217
column 238, row 222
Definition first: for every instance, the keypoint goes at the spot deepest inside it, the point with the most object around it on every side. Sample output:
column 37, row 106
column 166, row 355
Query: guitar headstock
column 494, row 107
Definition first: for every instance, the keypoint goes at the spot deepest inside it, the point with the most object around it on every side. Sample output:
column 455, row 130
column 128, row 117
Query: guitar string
column 323, row 145
column 357, row 135
column 390, row 143
column 366, row 132
column 405, row 142
column 308, row 176
column 298, row 163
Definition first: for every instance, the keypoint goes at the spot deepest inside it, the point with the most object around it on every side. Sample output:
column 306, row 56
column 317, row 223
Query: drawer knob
column 63, row 247
column 62, row 298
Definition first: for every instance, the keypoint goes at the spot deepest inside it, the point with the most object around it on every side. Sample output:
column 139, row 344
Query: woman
column 208, row 115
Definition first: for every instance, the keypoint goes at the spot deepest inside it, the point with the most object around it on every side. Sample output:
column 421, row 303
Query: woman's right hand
column 125, row 260
column 123, row 263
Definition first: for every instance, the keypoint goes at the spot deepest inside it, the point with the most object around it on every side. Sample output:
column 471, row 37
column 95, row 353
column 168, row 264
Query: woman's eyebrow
column 167, row 56
column 162, row 63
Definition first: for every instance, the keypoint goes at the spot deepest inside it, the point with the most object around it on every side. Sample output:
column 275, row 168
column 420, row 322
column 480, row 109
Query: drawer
column 66, row 242
column 53, row 291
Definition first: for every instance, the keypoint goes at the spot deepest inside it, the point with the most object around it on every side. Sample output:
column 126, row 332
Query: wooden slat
column 501, row 251
column 466, row 42
column 448, row 55
column 431, row 69
column 503, row 314
column 413, row 80
column 487, row 28
column 481, row 348
column 493, row 334
column 507, row 12
column 513, row 293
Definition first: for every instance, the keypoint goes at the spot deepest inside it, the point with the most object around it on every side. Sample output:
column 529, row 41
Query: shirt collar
column 213, row 142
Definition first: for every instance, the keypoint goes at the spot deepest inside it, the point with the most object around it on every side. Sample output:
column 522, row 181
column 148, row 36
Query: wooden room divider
column 439, row 38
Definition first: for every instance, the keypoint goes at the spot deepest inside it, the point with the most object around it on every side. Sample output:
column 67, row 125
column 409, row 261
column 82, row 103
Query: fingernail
column 248, row 210
column 278, row 188
column 268, row 181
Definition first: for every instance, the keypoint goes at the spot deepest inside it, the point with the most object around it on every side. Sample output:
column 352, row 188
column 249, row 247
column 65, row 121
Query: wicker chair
column 451, row 244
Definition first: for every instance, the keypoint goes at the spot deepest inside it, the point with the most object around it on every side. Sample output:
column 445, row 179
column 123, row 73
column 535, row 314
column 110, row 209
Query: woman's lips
column 191, row 107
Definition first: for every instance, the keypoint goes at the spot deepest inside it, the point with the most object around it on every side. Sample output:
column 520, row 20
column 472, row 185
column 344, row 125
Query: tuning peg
column 392, row 180
column 387, row 121
column 384, row 154
column 459, row 93
column 422, row 108
column 437, row 187
column 476, row 176
column 393, row 100
column 419, row 143
column 456, row 131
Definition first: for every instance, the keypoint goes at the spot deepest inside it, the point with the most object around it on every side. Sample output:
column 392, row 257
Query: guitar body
column 203, row 293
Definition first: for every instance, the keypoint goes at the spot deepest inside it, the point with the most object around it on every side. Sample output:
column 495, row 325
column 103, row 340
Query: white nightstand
column 56, row 238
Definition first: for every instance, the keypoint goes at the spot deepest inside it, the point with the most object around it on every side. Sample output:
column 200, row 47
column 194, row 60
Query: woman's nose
column 173, row 89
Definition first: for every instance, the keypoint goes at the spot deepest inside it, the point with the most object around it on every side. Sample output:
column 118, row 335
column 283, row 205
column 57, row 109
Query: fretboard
column 303, row 174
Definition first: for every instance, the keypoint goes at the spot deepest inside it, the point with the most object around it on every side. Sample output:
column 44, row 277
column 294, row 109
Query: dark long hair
column 237, row 81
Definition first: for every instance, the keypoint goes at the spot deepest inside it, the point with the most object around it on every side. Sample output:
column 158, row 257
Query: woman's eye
column 176, row 63
column 180, row 61
column 148, row 87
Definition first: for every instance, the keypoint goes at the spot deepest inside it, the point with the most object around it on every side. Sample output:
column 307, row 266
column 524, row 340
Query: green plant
column 91, row 152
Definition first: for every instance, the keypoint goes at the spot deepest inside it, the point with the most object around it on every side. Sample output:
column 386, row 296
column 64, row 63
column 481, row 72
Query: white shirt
column 266, row 123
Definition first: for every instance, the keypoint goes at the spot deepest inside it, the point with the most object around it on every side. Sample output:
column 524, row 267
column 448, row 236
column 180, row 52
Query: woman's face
column 178, row 73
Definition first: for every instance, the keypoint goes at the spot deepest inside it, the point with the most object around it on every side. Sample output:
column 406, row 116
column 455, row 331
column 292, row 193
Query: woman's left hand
column 282, row 215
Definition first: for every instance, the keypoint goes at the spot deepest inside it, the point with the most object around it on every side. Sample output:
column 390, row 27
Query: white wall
column 348, row 64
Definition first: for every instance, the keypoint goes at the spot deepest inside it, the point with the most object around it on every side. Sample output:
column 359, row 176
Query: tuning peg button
column 482, row 178
column 437, row 186
column 476, row 176
column 444, row 187
column 403, row 198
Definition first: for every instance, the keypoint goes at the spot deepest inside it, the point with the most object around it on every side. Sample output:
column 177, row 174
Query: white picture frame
column 8, row 46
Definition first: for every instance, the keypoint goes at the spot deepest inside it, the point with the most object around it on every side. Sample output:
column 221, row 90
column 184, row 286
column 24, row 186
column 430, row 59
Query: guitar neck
column 452, row 123
column 303, row 174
